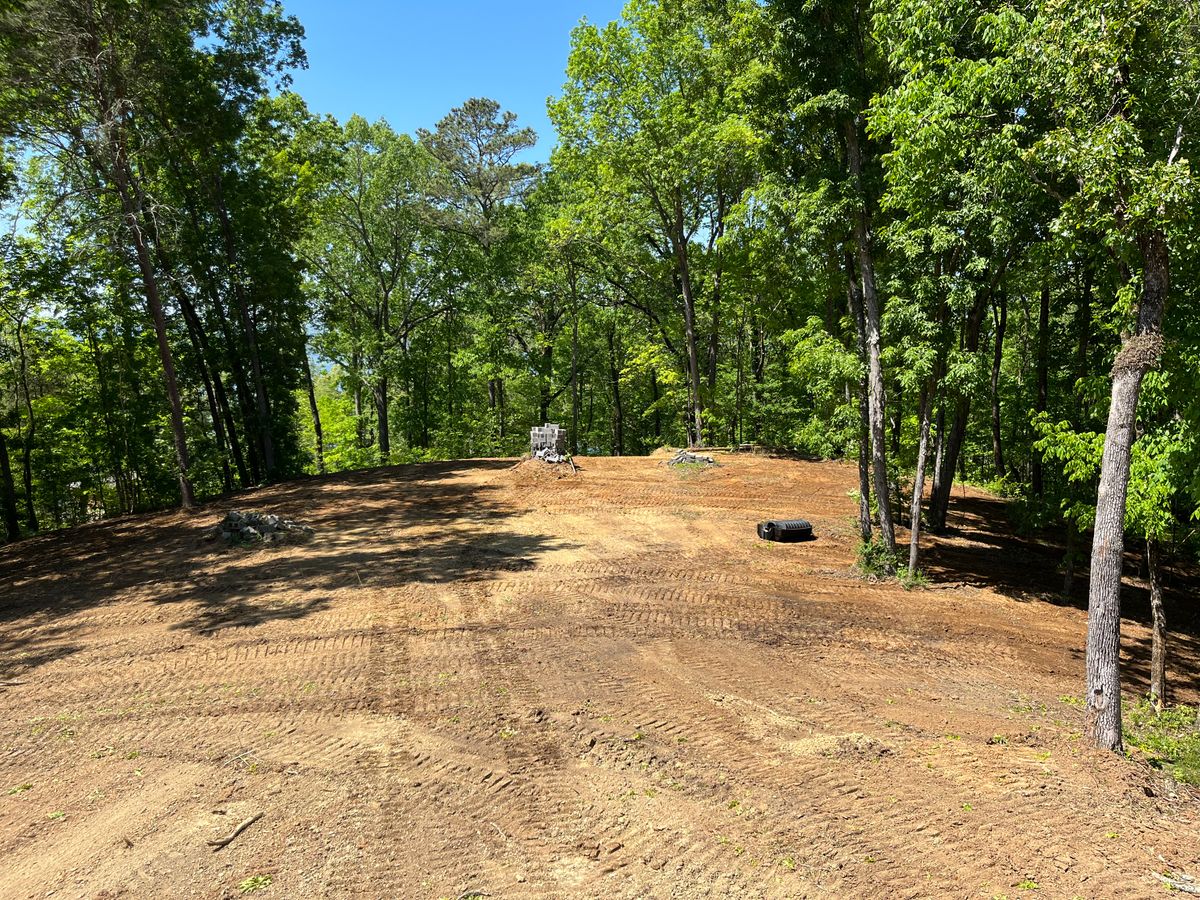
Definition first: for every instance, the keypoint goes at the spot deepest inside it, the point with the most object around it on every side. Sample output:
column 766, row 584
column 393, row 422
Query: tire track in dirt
column 603, row 687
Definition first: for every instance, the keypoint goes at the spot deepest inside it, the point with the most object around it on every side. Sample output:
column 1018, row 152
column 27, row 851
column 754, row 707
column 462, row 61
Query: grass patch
column 1170, row 740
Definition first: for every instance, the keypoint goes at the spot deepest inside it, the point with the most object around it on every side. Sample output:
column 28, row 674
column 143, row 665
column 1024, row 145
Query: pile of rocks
column 687, row 458
column 257, row 528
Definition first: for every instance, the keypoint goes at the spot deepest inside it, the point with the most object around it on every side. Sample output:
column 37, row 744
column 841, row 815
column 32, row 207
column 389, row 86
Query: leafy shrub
column 874, row 558
column 1170, row 739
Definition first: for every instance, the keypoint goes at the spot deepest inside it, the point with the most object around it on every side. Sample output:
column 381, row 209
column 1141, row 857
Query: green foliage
column 446, row 294
column 875, row 560
column 1170, row 739
column 255, row 883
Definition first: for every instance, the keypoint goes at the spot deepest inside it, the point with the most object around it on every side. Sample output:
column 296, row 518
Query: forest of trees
column 949, row 240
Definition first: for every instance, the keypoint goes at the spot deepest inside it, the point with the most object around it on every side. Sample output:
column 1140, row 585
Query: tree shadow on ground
column 981, row 546
column 382, row 528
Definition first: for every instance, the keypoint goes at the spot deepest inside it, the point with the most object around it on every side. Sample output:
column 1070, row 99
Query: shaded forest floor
column 476, row 677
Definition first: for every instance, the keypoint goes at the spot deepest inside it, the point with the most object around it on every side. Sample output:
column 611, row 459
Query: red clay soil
column 474, row 680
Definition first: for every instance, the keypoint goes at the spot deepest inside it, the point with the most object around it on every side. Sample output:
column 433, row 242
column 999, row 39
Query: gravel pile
column 258, row 528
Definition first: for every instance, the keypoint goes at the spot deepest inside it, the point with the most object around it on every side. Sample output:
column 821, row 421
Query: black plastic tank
column 786, row 531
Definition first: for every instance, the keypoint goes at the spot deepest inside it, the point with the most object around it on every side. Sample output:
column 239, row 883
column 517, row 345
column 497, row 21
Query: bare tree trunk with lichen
column 1140, row 354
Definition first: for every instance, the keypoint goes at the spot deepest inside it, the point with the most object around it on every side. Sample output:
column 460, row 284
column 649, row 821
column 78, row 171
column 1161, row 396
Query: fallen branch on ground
column 232, row 836
column 1183, row 883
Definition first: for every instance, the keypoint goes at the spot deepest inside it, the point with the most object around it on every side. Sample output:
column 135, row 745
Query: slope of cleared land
column 484, row 678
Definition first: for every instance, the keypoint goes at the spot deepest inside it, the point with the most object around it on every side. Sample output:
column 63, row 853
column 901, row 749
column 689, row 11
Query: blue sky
column 411, row 62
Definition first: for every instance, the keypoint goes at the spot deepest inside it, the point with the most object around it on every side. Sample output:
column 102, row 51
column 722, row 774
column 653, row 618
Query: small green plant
column 255, row 883
column 1169, row 739
column 788, row 863
column 1071, row 700
column 917, row 581
column 1029, row 884
column 967, row 807
column 57, row 816
column 20, row 789
column 876, row 560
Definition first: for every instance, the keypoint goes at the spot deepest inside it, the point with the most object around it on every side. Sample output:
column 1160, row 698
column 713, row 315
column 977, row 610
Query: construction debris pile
column 257, row 528
column 688, row 458
column 549, row 444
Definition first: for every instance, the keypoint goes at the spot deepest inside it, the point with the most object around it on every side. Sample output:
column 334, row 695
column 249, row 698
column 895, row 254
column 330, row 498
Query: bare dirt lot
column 476, row 678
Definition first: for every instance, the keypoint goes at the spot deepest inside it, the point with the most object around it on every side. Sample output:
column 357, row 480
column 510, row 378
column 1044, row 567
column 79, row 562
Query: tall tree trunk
column 1139, row 354
column 574, row 283
column 952, row 442
column 1158, row 648
column 1037, row 481
column 383, row 428
column 872, row 318
column 1085, row 326
column 132, row 209
column 864, row 415
column 544, row 383
column 111, row 441
column 1000, row 316
column 261, row 403
column 736, row 430
column 241, row 392
column 758, row 366
column 199, row 348
column 684, row 271
column 615, row 379
column 8, row 494
column 925, row 418
column 502, row 406
column 655, row 396
column 31, row 521
column 714, row 334
column 450, row 363
column 316, row 413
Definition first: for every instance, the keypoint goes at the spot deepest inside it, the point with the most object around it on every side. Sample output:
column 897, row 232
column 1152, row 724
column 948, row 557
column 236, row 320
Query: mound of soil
column 534, row 471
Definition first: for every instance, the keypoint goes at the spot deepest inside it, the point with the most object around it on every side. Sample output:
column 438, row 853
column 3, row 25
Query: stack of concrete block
column 550, row 438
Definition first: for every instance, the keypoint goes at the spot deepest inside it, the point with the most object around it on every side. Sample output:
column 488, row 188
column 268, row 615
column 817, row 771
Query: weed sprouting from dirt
column 1170, row 739
column 255, row 883
column 20, row 789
